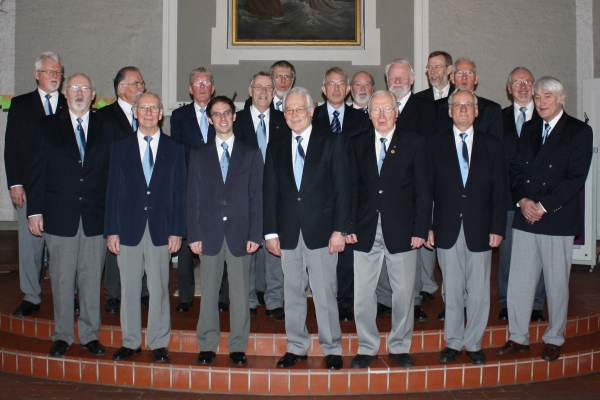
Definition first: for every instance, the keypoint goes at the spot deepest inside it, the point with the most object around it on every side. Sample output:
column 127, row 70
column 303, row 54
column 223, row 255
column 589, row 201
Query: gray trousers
column 465, row 274
column 31, row 252
column 301, row 266
column 211, row 272
column 83, row 257
column 532, row 254
column 133, row 262
column 504, row 268
column 112, row 278
column 266, row 275
column 401, row 269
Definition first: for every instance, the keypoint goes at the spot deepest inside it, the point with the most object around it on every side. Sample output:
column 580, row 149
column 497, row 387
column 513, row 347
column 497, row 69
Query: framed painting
column 296, row 22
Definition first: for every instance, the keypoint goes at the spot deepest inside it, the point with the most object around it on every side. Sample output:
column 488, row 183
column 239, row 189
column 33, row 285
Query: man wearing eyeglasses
column 519, row 86
column 20, row 146
column 145, row 220
column 118, row 121
column 257, row 124
column 391, row 215
column 361, row 86
column 284, row 74
column 439, row 68
column 469, row 219
column 66, row 205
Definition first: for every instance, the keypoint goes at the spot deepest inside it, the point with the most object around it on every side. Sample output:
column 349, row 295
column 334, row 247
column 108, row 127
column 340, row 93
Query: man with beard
column 439, row 68
column 361, row 88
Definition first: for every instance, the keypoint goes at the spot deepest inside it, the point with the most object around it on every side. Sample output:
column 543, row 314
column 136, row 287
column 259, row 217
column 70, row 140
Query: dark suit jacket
column 185, row 128
column 114, row 121
column 63, row 190
column 21, row 141
column 243, row 127
column 428, row 93
column 481, row 205
column 355, row 121
column 552, row 174
column 131, row 203
column 418, row 116
column 489, row 119
column 230, row 210
column 322, row 205
column 401, row 194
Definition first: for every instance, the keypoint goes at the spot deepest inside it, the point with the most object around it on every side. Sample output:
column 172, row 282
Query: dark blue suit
column 185, row 128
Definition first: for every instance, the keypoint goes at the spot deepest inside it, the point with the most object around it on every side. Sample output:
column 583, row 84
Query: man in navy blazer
column 189, row 125
column 145, row 220
column 224, row 225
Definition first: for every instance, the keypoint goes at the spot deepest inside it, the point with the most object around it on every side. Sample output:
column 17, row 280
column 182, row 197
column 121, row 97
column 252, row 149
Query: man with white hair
column 547, row 176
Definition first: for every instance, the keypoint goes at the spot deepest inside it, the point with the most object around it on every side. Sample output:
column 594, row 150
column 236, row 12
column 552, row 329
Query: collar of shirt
column 220, row 149
column 469, row 140
column 126, row 107
column 255, row 120
column 445, row 91
column 84, row 123
column 305, row 138
column 341, row 110
column 552, row 123
column 354, row 105
column 403, row 102
column 378, row 142
column 53, row 99
column 197, row 110
column 528, row 113
column 143, row 145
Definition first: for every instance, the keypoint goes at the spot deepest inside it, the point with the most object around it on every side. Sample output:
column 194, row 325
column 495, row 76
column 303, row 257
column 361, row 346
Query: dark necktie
column 546, row 133
column 335, row 123
column 278, row 105
column 224, row 160
column 81, row 139
column 464, row 164
column 47, row 105
column 382, row 152
column 148, row 163
column 363, row 109
column 261, row 135
column 299, row 163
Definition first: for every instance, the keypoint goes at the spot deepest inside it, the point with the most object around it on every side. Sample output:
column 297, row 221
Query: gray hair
column 137, row 98
column 386, row 92
column 47, row 54
column 201, row 70
column 364, row 72
column 121, row 77
column 337, row 70
column 262, row 73
column 301, row 92
column 68, row 80
column 399, row 61
column 283, row 64
column 461, row 89
column 465, row 59
column 509, row 81
column 549, row 84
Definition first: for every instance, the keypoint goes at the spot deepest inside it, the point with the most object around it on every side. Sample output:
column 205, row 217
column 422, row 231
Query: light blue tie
column 336, row 127
column 224, row 160
column 204, row 125
column 47, row 105
column 80, row 139
column 546, row 132
column 382, row 152
column 278, row 105
column 299, row 163
column 261, row 135
column 399, row 104
column 521, row 120
column 464, row 159
column 148, row 163
column 134, row 123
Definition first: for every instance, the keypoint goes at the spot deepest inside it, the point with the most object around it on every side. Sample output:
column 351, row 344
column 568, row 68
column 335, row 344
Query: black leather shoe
column 442, row 315
column 538, row 316
column 551, row 352
column 420, row 315
column 260, row 296
column 503, row 314
column 161, row 355
column 145, row 300
column 113, row 306
column 448, row 355
column 206, row 357
column 362, row 361
column 59, row 348
column 76, row 308
column 402, row 359
column 346, row 315
column 252, row 312
column 276, row 313
column 223, row 307
column 25, row 309
column 334, row 362
column 183, row 307
column 289, row 359
column 477, row 357
column 238, row 358
column 95, row 348
column 124, row 353
column 383, row 310
column 426, row 297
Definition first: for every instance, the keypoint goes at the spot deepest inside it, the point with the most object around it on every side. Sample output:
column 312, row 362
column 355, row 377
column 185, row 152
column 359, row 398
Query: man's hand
column 17, row 195
column 337, row 243
column 274, row 246
column 351, row 239
column 196, row 248
column 430, row 242
column 114, row 244
column 416, row 242
column 531, row 210
column 251, row 247
column 174, row 244
column 495, row 240
column 36, row 225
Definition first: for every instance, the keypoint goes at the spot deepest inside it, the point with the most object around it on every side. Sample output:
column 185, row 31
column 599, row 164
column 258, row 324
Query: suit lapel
column 94, row 131
column 477, row 157
column 392, row 151
column 235, row 161
column 313, row 153
column 371, row 156
column 37, row 105
column 121, row 117
column 348, row 120
column 551, row 141
column 194, row 126
column 66, row 127
column 449, row 150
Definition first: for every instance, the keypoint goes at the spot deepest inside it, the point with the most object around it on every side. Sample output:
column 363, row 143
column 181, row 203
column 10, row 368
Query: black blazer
column 428, row 93
column 489, row 119
column 355, row 121
column 552, row 174
column 114, row 121
column 243, row 127
column 232, row 210
column 418, row 116
column 185, row 128
column 401, row 194
column 481, row 205
column 62, row 189
column 21, row 142
column 131, row 204
column 322, row 205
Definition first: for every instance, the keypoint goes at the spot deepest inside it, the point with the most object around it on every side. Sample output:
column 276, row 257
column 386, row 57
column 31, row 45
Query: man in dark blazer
column 547, row 176
column 145, row 220
column 391, row 215
column 469, row 219
column 519, row 85
column 21, row 143
column 306, row 216
column 224, row 225
column 118, row 122
column 66, row 203
column 338, row 117
column 439, row 68
column 189, row 125
column 257, row 124
column 361, row 89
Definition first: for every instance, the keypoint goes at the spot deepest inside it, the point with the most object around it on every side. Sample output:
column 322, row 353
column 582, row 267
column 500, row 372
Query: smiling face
column 298, row 115
column 49, row 80
column 548, row 104
column 261, row 92
column 521, row 87
column 222, row 117
column 438, row 72
column 400, row 80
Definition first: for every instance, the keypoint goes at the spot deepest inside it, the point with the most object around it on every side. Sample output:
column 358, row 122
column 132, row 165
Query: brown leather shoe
column 551, row 352
column 511, row 347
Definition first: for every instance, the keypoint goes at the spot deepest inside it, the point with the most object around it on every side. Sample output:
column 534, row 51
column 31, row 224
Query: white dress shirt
column 255, row 120
column 445, row 92
column 53, row 99
column 528, row 113
column 275, row 100
column 144, row 145
column 84, row 123
column 403, row 102
column 126, row 107
column 378, row 143
column 220, row 149
column 552, row 123
column 468, row 140
column 341, row 110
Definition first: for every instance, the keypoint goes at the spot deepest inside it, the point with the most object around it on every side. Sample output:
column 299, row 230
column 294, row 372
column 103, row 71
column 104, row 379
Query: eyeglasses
column 365, row 84
column 259, row 88
column 386, row 110
column 466, row 73
column 299, row 110
column 51, row 72
column 279, row 77
column 338, row 84
column 137, row 84
column 217, row 115
column 202, row 83
column 435, row 68
column 468, row 106
column 75, row 88
column 519, row 82
column 145, row 109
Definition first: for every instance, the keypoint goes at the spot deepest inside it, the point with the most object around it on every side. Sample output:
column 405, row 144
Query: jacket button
column 224, row 218
column 81, row 198
column 145, row 208
column 460, row 215
column 81, row 180
column 299, row 198
column 550, row 166
column 527, row 180
column 79, row 162
column 526, row 162
column 376, row 210
column 148, row 192
column 224, row 203
column 464, row 195
column 381, row 191
column 544, row 184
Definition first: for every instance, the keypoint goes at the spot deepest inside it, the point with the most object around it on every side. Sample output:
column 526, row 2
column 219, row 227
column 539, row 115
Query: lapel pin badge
column 393, row 151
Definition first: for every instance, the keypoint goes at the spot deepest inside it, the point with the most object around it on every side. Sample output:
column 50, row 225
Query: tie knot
column 299, row 139
column 336, row 113
column 261, row 116
column 79, row 120
column 225, row 146
column 383, row 140
column 463, row 136
column 148, row 139
column 279, row 103
column 523, row 109
column 202, row 110
column 547, row 128
column 48, row 96
column 399, row 103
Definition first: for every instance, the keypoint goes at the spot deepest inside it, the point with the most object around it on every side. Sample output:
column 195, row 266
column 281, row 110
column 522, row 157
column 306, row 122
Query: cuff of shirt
column 16, row 186
column 271, row 236
column 34, row 215
column 543, row 208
